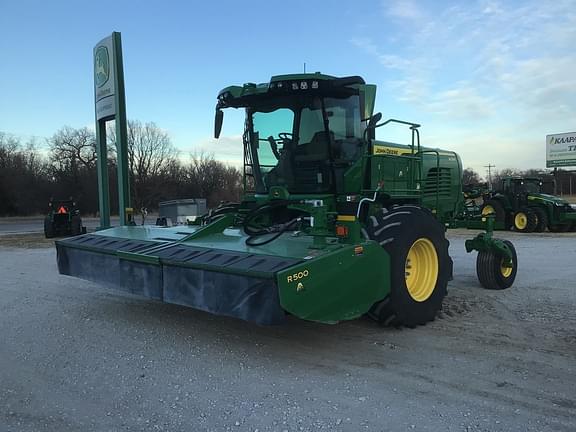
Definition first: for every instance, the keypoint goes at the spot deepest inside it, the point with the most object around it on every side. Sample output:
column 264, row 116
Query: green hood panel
column 548, row 198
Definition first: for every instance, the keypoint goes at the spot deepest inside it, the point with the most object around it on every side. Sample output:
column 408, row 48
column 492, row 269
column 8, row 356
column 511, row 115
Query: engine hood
column 552, row 199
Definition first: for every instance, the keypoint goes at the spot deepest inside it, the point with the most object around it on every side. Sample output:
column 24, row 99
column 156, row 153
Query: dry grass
column 25, row 241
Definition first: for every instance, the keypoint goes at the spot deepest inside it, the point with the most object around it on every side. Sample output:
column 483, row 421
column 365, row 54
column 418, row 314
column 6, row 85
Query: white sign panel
column 561, row 150
column 104, row 69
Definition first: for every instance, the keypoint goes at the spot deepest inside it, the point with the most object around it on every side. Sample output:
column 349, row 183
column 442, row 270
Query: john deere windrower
column 332, row 225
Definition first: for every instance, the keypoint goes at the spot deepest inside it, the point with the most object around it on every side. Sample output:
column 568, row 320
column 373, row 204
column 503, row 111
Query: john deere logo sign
column 101, row 66
column 104, row 79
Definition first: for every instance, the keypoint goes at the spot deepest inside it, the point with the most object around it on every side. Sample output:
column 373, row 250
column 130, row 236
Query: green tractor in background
column 63, row 219
column 520, row 204
column 333, row 224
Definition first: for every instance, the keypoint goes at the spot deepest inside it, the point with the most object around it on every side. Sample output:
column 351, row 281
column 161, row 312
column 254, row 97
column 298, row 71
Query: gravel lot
column 75, row 357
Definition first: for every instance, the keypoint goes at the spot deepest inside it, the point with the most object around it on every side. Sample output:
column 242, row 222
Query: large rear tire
column 419, row 265
column 48, row 228
column 542, row 217
column 76, row 225
column 491, row 271
column 495, row 207
column 525, row 220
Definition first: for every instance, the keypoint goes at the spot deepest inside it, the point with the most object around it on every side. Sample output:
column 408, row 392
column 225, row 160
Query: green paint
column 485, row 242
column 124, row 201
column 337, row 286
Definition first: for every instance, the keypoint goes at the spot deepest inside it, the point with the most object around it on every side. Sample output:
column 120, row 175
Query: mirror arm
column 218, row 120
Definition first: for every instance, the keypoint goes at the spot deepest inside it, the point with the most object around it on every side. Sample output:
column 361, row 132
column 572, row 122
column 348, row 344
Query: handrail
column 413, row 127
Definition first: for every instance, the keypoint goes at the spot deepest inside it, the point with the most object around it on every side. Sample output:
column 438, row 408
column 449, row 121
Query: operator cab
column 301, row 132
column 522, row 185
column 297, row 142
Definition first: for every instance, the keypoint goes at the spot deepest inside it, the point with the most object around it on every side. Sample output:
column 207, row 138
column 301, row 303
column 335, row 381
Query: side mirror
column 374, row 120
column 218, row 120
column 371, row 126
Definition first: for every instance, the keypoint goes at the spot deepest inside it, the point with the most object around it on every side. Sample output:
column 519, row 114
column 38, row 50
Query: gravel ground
column 75, row 357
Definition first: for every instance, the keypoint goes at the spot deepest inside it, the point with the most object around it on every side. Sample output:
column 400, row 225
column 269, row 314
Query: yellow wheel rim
column 505, row 271
column 488, row 210
column 520, row 220
column 421, row 269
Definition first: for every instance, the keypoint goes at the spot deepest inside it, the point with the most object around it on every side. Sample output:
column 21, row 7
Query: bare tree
column 213, row 180
column 24, row 177
column 73, row 147
column 150, row 150
column 497, row 176
column 471, row 177
column 151, row 155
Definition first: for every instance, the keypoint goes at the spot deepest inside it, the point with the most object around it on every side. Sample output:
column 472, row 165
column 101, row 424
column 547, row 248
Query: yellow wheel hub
column 520, row 220
column 421, row 269
column 488, row 210
column 505, row 271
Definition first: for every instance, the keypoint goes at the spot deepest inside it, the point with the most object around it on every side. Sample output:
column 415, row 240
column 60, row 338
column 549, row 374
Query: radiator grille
column 438, row 179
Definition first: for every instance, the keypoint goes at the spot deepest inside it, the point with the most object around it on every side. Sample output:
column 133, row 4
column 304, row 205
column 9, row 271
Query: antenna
column 304, row 67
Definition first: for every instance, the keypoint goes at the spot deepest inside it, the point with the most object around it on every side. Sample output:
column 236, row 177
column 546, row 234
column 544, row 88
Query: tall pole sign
column 110, row 104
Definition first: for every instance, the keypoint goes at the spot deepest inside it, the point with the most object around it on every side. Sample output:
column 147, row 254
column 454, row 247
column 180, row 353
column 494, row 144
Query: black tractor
column 63, row 219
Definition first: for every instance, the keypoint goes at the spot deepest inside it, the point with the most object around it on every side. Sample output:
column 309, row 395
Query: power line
column 489, row 166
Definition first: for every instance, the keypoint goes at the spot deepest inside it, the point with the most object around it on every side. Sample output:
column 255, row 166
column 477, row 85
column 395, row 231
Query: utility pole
column 489, row 166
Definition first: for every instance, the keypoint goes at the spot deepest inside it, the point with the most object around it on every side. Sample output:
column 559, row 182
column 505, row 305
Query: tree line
column 30, row 177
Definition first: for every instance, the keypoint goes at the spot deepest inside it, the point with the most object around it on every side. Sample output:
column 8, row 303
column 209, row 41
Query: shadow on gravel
column 180, row 329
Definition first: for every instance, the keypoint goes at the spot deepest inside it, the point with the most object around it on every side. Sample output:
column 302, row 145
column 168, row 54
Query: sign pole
column 110, row 104
column 121, row 133
column 102, row 170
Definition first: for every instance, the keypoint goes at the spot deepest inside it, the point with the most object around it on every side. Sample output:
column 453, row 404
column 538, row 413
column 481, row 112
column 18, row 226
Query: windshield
column 528, row 185
column 297, row 144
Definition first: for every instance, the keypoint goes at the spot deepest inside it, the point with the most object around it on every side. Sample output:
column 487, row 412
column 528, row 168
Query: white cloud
column 405, row 9
column 461, row 102
column 507, row 70
column 227, row 149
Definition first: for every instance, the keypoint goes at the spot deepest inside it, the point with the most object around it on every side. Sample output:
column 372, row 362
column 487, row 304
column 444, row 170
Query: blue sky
column 487, row 79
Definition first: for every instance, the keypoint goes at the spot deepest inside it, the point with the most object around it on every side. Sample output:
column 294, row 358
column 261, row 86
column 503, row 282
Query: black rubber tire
column 76, row 225
column 48, row 228
column 542, row 219
column 396, row 231
column 498, row 210
column 488, row 269
column 531, row 220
